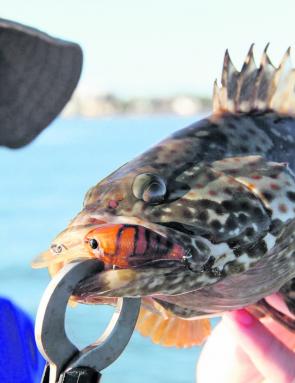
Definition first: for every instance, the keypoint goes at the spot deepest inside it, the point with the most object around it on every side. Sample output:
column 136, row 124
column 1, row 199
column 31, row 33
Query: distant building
column 109, row 105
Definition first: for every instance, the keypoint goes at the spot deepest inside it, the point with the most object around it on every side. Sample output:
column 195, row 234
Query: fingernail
column 243, row 317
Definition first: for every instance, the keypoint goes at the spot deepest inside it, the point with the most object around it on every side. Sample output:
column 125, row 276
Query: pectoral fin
column 166, row 329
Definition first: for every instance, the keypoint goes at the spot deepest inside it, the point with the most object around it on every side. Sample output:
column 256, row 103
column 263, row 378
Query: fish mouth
column 134, row 258
column 72, row 239
column 137, row 261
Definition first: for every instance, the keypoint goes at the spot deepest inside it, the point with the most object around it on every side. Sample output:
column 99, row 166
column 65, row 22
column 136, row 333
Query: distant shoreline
column 111, row 105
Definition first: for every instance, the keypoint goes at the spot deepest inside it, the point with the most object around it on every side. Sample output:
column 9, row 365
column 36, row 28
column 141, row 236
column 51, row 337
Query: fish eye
column 149, row 188
column 93, row 243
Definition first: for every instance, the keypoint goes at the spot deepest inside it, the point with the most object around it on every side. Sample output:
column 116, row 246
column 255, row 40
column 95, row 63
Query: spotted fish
column 204, row 221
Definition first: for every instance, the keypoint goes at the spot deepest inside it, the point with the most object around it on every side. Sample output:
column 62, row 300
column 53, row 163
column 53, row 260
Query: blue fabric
column 20, row 361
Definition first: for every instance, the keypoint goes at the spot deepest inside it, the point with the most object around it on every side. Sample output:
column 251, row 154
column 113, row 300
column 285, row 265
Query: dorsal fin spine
column 256, row 89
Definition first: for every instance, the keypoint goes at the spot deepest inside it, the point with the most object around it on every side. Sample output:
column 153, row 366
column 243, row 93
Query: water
column 42, row 189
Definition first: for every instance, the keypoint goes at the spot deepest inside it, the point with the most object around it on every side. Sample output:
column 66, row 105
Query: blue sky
column 159, row 47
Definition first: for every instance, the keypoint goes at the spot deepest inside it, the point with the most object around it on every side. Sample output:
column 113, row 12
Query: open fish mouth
column 137, row 261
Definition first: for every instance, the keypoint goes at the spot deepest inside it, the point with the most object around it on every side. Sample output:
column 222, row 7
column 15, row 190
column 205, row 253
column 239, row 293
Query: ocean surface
column 42, row 188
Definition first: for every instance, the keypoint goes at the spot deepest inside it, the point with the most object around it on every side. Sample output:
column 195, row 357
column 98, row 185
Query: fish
column 203, row 222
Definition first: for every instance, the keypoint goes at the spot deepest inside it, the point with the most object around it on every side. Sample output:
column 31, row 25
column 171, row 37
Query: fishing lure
column 204, row 221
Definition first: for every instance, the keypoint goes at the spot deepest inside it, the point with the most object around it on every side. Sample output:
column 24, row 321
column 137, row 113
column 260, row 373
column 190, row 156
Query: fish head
column 205, row 212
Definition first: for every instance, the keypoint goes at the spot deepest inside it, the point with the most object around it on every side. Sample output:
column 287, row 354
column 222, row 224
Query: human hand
column 243, row 349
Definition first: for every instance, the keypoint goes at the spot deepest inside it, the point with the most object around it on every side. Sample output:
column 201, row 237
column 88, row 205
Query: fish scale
column 220, row 193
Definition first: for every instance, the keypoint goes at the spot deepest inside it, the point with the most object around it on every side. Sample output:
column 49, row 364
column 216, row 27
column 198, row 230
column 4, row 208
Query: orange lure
column 128, row 246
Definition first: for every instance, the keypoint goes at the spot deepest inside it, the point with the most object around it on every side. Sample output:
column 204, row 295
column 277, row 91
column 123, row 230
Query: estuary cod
column 204, row 221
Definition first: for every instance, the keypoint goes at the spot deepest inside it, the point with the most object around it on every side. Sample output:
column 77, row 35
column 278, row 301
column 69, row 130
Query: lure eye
column 149, row 187
column 57, row 249
column 93, row 243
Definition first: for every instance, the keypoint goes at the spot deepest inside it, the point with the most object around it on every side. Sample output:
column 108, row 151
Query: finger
column 223, row 361
column 271, row 357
